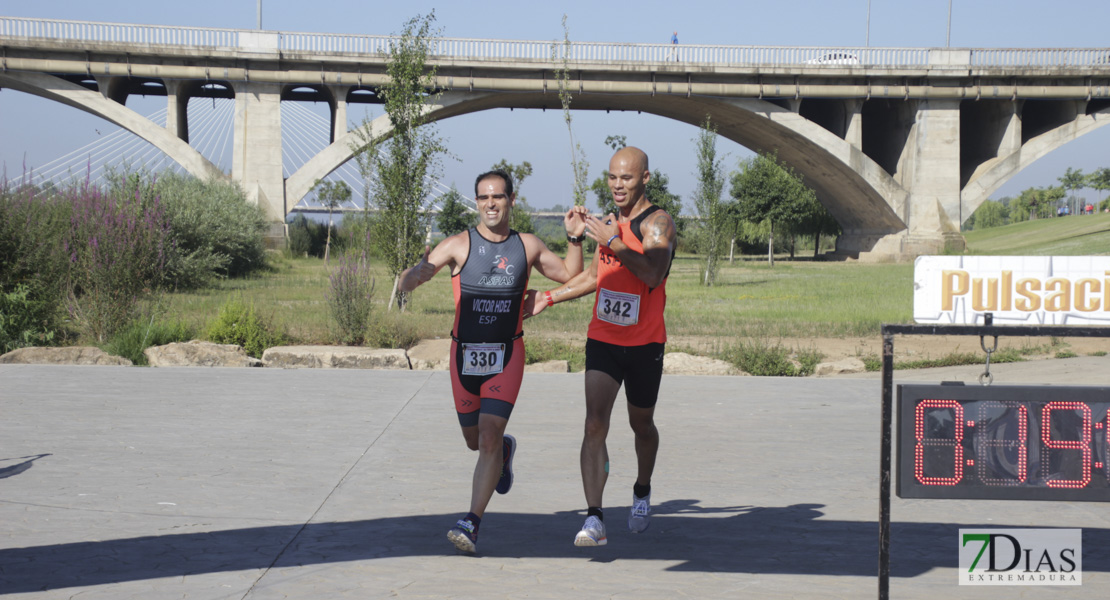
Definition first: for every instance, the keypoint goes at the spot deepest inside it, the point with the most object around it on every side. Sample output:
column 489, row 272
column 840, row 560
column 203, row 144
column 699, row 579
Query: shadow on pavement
column 16, row 469
column 738, row 539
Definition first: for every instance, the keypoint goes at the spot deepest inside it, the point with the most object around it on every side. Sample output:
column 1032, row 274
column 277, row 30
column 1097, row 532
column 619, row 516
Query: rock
column 197, row 353
column 70, row 355
column 334, row 357
column 548, row 366
column 431, row 355
column 680, row 363
column 847, row 365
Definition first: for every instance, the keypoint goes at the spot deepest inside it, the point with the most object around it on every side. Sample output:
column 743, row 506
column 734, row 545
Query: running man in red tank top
column 490, row 264
column 626, row 338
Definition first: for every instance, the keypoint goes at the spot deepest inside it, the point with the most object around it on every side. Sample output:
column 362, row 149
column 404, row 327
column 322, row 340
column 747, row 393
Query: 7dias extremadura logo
column 1021, row 557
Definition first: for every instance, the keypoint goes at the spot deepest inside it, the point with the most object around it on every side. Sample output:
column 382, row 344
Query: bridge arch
column 996, row 172
column 863, row 197
column 81, row 97
column 861, row 193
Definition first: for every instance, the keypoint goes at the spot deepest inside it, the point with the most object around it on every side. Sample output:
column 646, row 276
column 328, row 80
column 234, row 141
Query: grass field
column 794, row 300
column 1087, row 235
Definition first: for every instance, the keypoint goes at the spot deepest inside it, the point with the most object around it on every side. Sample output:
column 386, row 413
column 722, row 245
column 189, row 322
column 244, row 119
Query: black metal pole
column 884, row 467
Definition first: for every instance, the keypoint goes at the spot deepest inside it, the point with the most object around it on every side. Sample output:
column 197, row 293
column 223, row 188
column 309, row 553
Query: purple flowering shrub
column 351, row 297
column 117, row 247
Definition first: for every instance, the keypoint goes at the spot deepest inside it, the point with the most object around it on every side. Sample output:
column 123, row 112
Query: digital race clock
column 1003, row 442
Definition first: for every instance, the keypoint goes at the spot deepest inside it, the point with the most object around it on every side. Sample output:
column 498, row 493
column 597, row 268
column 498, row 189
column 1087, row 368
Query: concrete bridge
column 901, row 144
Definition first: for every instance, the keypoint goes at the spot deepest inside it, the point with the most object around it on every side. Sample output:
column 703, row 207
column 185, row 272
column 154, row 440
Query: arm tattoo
column 661, row 229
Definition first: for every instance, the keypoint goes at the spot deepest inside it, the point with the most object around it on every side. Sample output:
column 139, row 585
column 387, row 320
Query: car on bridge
column 835, row 58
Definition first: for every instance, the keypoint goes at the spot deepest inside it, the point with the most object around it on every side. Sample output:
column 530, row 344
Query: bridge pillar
column 339, row 112
column 177, row 104
column 256, row 163
column 930, row 171
column 854, row 133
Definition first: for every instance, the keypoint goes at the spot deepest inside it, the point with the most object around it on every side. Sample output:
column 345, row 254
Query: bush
column 351, row 297
column 354, row 232
column 130, row 341
column 33, row 265
column 307, row 237
column 757, row 358
column 116, row 243
column 239, row 323
column 391, row 330
column 24, row 321
column 214, row 230
column 99, row 252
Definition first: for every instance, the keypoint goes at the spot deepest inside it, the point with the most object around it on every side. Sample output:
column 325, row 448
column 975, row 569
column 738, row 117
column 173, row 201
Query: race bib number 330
column 618, row 308
column 483, row 359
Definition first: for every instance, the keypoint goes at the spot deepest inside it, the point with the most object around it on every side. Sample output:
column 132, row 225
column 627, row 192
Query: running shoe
column 592, row 534
column 463, row 536
column 640, row 517
column 506, row 482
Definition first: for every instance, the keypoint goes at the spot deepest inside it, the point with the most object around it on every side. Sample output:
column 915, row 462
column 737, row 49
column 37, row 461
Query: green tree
column 454, row 217
column 1073, row 179
column 521, row 218
column 1035, row 203
column 658, row 194
column 407, row 162
column 990, row 214
column 331, row 194
column 602, row 195
column 814, row 220
column 1050, row 199
column 767, row 191
column 1099, row 180
column 580, row 169
column 707, row 201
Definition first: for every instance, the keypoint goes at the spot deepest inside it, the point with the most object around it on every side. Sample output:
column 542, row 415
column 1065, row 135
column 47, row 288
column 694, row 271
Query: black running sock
column 474, row 520
column 595, row 511
column 641, row 491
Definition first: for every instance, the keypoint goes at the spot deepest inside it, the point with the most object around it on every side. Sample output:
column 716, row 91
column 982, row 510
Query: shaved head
column 633, row 154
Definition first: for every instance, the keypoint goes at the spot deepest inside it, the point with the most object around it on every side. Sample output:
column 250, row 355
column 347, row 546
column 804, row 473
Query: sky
column 35, row 131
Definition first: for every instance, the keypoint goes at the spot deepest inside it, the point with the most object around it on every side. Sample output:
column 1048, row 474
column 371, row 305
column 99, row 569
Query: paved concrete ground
column 121, row 482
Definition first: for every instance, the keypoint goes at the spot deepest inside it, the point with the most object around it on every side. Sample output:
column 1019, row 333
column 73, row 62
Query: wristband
column 609, row 244
column 549, row 299
column 575, row 239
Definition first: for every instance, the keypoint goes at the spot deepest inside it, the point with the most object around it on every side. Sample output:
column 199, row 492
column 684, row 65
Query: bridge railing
column 578, row 52
column 87, row 31
column 1044, row 57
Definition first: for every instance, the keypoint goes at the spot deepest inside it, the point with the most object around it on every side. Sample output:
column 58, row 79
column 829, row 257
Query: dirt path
column 906, row 347
column 915, row 347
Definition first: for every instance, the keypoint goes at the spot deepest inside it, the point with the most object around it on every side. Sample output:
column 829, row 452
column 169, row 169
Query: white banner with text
column 1017, row 290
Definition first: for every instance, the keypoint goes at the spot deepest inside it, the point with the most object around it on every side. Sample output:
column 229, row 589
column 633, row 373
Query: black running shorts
column 639, row 368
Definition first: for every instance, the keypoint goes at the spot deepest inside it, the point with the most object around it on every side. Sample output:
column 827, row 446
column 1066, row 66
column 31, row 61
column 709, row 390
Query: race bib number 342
column 483, row 359
column 618, row 308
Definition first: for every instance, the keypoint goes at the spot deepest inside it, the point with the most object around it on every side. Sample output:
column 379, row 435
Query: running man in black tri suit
column 490, row 265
